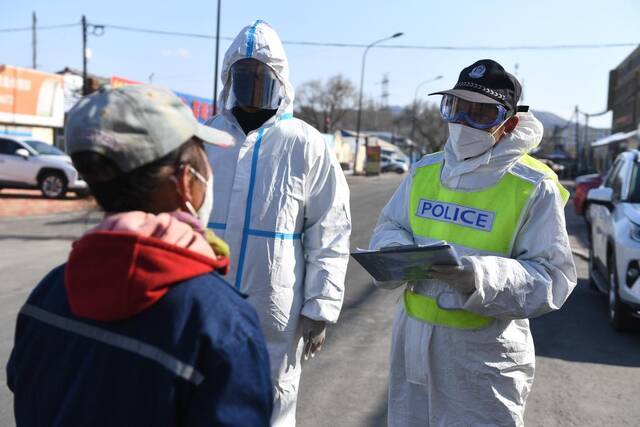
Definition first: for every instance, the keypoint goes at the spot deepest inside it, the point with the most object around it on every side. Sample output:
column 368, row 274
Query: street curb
column 46, row 216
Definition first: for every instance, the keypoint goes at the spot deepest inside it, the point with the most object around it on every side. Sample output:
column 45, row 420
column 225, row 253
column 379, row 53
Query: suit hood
column 261, row 42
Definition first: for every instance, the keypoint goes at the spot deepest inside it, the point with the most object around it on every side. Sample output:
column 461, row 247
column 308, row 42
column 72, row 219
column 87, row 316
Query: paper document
column 408, row 262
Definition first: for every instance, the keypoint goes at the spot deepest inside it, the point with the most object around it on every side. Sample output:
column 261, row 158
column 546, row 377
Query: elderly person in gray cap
column 138, row 327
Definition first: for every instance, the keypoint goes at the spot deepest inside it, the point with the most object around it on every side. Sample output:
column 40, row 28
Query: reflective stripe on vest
column 486, row 219
column 426, row 309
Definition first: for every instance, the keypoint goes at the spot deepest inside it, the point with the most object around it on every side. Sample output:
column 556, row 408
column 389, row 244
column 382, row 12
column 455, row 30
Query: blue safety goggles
column 476, row 115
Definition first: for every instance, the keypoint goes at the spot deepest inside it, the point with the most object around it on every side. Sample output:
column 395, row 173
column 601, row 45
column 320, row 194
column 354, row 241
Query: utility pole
column 384, row 96
column 359, row 117
column 34, row 41
column 586, row 147
column 585, row 143
column 98, row 31
column 215, row 74
column 85, row 81
column 578, row 150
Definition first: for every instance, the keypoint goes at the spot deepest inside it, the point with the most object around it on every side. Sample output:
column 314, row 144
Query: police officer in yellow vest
column 462, row 353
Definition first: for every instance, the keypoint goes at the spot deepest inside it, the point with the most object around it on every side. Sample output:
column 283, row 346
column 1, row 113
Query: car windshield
column 634, row 188
column 44, row 148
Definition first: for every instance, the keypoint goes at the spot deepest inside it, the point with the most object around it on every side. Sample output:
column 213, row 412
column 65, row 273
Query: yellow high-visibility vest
column 487, row 220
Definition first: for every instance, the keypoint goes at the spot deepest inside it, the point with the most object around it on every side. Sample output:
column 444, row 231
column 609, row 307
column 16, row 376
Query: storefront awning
column 620, row 136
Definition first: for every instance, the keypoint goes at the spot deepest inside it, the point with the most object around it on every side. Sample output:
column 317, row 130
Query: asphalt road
column 587, row 374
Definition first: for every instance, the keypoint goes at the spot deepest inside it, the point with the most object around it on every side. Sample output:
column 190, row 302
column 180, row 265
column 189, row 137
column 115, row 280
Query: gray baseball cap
column 135, row 125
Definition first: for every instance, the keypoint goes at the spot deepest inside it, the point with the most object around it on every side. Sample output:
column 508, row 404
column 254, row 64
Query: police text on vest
column 456, row 214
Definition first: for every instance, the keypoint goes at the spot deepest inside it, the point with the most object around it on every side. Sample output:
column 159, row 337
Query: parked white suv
column 614, row 249
column 27, row 163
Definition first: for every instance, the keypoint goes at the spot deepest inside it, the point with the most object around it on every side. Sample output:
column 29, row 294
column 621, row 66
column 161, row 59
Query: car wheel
column 400, row 171
column 619, row 317
column 53, row 185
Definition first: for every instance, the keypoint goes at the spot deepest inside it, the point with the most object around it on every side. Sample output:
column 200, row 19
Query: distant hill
column 549, row 120
column 565, row 134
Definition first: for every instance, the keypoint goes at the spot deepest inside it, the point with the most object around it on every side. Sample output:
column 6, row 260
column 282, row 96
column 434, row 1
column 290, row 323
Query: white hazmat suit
column 441, row 376
column 282, row 205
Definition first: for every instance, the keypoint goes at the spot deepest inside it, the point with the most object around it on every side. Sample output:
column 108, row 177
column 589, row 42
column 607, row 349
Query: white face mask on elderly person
column 203, row 213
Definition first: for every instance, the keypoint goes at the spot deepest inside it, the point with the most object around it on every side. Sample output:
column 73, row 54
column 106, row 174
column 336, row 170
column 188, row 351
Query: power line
column 162, row 32
column 531, row 47
column 346, row 45
column 395, row 46
column 41, row 27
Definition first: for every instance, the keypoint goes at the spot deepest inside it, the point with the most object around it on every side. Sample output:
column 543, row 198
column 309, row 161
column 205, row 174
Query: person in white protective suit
column 462, row 352
column 282, row 205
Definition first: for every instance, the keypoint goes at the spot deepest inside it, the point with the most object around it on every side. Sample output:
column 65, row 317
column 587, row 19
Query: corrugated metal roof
column 620, row 136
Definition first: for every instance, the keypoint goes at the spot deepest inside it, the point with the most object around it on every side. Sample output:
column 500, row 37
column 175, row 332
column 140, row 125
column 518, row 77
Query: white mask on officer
column 468, row 142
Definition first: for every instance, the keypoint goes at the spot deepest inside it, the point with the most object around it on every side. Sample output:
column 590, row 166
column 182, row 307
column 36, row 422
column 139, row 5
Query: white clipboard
column 407, row 262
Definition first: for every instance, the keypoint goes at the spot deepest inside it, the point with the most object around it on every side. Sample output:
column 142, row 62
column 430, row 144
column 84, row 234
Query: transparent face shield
column 473, row 114
column 254, row 86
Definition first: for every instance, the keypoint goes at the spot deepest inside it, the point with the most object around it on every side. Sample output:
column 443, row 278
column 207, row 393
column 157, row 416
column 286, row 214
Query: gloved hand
column 313, row 333
column 462, row 278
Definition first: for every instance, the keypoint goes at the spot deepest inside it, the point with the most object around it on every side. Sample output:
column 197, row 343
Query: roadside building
column 403, row 145
column 31, row 103
column 624, row 94
column 348, row 138
column 367, row 139
column 624, row 102
column 73, row 85
column 341, row 148
column 605, row 150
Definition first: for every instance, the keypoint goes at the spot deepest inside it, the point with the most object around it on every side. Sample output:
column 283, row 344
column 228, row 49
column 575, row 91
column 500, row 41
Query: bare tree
column 428, row 130
column 332, row 105
column 324, row 105
column 431, row 130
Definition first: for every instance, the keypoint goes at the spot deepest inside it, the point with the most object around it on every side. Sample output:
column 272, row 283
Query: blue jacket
column 159, row 353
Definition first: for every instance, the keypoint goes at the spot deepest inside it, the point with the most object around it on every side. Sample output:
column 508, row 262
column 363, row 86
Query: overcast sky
column 554, row 80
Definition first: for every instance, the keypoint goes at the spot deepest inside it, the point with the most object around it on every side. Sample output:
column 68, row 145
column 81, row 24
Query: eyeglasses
column 476, row 115
column 194, row 172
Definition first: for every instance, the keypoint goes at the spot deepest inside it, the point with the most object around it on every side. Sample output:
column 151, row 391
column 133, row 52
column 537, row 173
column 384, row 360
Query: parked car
column 28, row 163
column 614, row 250
column 584, row 183
column 394, row 164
